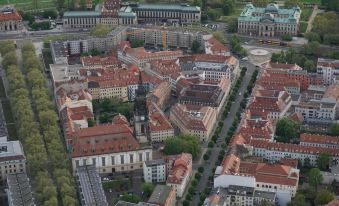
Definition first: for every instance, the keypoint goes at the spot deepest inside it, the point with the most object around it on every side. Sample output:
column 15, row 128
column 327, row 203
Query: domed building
column 270, row 21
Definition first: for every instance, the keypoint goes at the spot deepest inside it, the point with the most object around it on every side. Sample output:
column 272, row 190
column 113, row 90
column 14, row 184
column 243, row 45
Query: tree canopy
column 323, row 161
column 334, row 129
column 315, row 178
column 147, row 188
column 100, row 30
column 298, row 200
column 323, row 197
column 182, row 143
column 287, row 129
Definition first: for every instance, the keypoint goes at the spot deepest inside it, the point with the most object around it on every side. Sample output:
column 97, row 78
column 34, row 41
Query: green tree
column 312, row 36
column 323, row 197
column 130, row 198
column 323, row 161
column 260, row 3
column 334, row 129
column 307, row 163
column 196, row 47
column 228, row 7
column 182, row 143
column 100, row 30
column 91, row 122
column 53, row 14
column 309, row 66
column 298, row 200
column 137, row 43
column 219, row 36
column 315, row 178
column 311, row 48
column 147, row 188
column 287, row 129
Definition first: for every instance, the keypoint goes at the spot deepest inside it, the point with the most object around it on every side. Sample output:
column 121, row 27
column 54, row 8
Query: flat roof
column 19, row 190
column 160, row 194
column 82, row 14
column 155, row 162
column 168, row 7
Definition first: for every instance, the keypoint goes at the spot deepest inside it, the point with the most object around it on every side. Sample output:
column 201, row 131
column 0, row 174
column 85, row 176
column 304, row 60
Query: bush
column 206, row 157
column 197, row 176
column 211, row 144
column 201, row 169
column 194, row 183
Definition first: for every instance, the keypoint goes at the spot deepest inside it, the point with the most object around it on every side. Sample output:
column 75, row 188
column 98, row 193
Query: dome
column 272, row 8
column 268, row 16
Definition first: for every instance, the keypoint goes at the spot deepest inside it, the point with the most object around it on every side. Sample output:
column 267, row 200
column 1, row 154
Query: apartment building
column 19, row 191
column 329, row 69
column 317, row 140
column 109, row 62
column 160, row 127
column 180, row 173
column 155, row 171
column 194, row 120
column 12, row 159
column 276, row 178
column 323, row 110
column 214, row 47
column 213, row 67
column 163, row 195
column 139, row 56
column 270, row 21
column 110, row 148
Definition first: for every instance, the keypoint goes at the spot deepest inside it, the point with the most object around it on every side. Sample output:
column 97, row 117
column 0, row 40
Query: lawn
column 303, row 27
column 306, row 13
column 29, row 4
column 310, row 1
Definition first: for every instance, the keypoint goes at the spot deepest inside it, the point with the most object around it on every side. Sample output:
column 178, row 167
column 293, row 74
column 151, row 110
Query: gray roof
column 266, row 195
column 160, row 194
column 171, row 7
column 82, row 14
column 19, row 190
column 155, row 162
column 90, row 186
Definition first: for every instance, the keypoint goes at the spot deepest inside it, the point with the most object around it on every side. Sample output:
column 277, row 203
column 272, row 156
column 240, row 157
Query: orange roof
column 217, row 46
column 158, row 120
column 182, row 167
column 317, row 138
column 10, row 16
column 165, row 67
column 272, row 65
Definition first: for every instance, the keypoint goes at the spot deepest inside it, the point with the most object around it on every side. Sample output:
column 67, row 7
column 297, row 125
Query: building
column 139, row 56
column 275, row 151
column 159, row 126
column 329, row 69
column 213, row 67
column 109, row 62
column 161, row 13
column 239, row 195
column 275, row 178
column 194, row 120
column 155, row 171
column 180, row 173
column 90, row 186
column 270, row 21
column 12, row 159
column 161, row 95
column 163, row 196
column 19, row 191
column 166, row 38
column 110, row 147
column 10, row 19
column 316, row 140
column 323, row 110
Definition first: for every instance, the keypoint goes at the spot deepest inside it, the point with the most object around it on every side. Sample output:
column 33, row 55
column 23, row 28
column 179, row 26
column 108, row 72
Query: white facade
column 324, row 109
column 115, row 162
column 154, row 171
column 180, row 188
column 161, row 135
column 329, row 69
column 12, row 159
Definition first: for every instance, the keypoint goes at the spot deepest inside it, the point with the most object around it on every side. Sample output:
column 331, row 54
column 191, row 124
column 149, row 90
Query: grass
column 29, row 4
column 306, row 13
column 303, row 27
column 310, row 1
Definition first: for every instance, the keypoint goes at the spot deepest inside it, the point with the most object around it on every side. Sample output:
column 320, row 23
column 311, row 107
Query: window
column 84, row 161
column 147, row 156
column 140, row 157
column 103, row 162
column 131, row 158
column 93, row 161
column 113, row 160
column 77, row 163
column 122, row 159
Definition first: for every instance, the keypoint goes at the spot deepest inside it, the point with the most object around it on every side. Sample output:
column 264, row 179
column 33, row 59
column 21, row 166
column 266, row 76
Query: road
column 210, row 164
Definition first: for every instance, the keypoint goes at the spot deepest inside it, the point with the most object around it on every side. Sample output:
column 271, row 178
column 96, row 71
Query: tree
column 130, row 198
column 312, row 36
column 307, row 163
column 95, row 52
column 334, row 129
column 219, row 36
column 196, row 47
column 53, row 14
column 228, row 6
column 309, row 66
column 232, row 25
column 298, row 200
column 182, row 143
column 323, row 161
column 260, row 3
column 147, row 188
column 323, row 197
column 287, row 129
column 315, row 178
column 91, row 122
column 137, row 43
column 311, row 48
column 60, row 4
column 100, row 30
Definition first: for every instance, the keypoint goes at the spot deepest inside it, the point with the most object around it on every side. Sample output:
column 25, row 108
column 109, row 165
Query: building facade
column 10, row 19
column 329, row 69
column 155, row 171
column 12, row 159
column 270, row 21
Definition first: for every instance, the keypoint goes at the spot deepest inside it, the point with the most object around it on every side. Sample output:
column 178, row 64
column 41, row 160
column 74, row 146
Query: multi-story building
column 316, row 140
column 108, row 62
column 161, row 95
column 160, row 13
column 194, row 120
column 90, row 186
column 166, row 38
column 329, row 69
column 163, row 195
column 139, row 56
column 213, row 67
column 239, row 195
column 19, row 191
column 12, row 159
column 10, row 19
column 270, row 21
column 159, row 126
column 214, row 47
column 279, row 179
column 275, row 151
column 323, row 110
column 155, row 171
column 110, row 147
column 180, row 173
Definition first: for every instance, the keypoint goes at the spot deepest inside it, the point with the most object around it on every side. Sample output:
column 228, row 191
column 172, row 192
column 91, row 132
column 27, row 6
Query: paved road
column 210, row 164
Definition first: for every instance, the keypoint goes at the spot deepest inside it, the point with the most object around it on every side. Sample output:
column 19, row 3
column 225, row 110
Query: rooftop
column 68, row 14
column 160, row 194
column 11, row 150
column 155, row 162
column 177, row 7
column 19, row 190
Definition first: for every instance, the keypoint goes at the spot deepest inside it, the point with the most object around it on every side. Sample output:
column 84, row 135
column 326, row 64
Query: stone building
column 270, row 21
column 10, row 19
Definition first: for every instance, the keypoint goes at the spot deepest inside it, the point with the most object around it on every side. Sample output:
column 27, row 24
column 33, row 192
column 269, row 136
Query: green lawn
column 306, row 13
column 311, row 1
column 29, row 4
column 303, row 27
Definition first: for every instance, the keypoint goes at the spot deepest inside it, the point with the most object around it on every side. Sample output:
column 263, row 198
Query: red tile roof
column 276, row 65
column 158, row 120
column 317, row 138
column 10, row 16
column 165, row 67
column 182, row 167
column 216, row 46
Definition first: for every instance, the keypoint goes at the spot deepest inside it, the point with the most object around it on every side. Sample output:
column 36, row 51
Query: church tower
column 140, row 113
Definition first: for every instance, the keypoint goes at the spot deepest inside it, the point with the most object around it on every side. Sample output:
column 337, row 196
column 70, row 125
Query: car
column 245, row 59
column 245, row 42
column 239, row 93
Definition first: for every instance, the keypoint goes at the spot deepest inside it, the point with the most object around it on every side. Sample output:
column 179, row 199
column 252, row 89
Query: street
column 210, row 164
